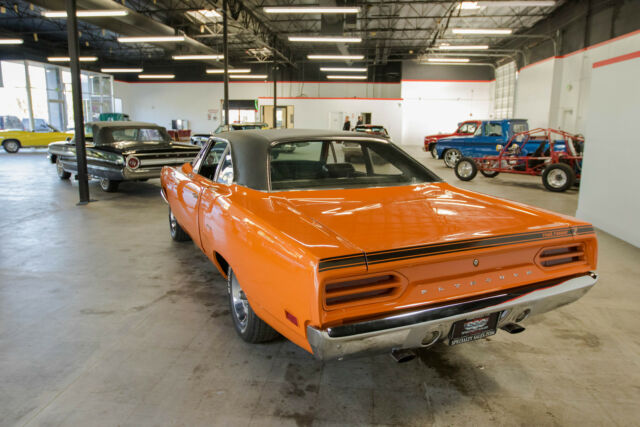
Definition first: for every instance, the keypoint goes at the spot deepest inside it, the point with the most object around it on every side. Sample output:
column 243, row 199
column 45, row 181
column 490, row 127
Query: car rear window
column 342, row 164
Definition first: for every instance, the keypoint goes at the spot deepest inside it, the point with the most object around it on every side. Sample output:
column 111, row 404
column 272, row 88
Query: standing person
column 347, row 124
column 359, row 122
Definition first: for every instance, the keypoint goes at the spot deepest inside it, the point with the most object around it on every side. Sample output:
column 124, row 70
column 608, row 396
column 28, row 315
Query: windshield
column 343, row 164
column 140, row 135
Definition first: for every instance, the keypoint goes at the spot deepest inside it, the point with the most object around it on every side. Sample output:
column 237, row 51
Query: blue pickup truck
column 482, row 143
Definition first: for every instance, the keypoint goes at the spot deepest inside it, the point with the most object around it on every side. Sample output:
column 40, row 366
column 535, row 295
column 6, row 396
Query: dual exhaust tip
column 401, row 355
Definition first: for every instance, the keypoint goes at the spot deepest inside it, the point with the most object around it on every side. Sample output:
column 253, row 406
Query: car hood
column 378, row 219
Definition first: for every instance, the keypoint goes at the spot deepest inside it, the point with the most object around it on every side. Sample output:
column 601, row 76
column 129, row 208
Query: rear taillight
column 366, row 290
column 133, row 162
column 562, row 255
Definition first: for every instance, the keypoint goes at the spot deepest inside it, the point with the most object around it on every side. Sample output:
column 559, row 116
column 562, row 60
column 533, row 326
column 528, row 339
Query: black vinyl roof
column 250, row 150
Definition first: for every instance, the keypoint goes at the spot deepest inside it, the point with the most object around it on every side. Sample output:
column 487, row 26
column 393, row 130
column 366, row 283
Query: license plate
column 473, row 329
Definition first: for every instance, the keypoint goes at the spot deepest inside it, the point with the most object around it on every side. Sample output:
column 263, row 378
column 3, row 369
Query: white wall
column 610, row 188
column 162, row 102
column 555, row 92
column 314, row 113
column 431, row 107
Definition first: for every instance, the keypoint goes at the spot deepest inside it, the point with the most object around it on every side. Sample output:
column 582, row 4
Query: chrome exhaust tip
column 403, row 355
column 512, row 328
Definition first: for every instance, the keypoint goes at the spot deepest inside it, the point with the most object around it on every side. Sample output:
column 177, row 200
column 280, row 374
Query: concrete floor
column 105, row 321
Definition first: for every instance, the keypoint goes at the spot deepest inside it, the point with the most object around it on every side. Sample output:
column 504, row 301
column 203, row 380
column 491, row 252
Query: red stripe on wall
column 616, row 59
column 448, row 81
column 352, row 98
column 257, row 81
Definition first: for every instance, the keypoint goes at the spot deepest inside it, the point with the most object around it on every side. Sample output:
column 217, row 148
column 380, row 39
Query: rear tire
column 248, row 325
column 109, row 185
column 489, row 174
column 466, row 169
column 11, row 146
column 434, row 152
column 62, row 174
column 451, row 157
column 177, row 233
column 558, row 177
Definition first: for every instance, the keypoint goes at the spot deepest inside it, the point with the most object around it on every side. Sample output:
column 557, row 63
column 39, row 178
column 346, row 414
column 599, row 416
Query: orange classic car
column 347, row 259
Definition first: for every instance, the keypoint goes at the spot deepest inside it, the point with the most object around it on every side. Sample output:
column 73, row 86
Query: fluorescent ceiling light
column 86, row 13
column 196, row 57
column 231, row 70
column 336, row 57
column 311, row 9
column 11, row 41
column 450, row 60
column 205, row 15
column 248, row 76
column 463, row 47
column 325, row 39
column 347, row 77
column 156, row 76
column 498, row 31
column 151, row 39
column 121, row 70
column 474, row 5
column 343, row 70
column 67, row 59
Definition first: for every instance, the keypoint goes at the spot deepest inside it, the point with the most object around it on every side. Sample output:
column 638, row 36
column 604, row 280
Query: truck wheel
column 451, row 157
column 109, row 185
column 11, row 146
column 466, row 169
column 434, row 151
column 248, row 325
column 558, row 177
column 489, row 174
column 62, row 174
column 177, row 233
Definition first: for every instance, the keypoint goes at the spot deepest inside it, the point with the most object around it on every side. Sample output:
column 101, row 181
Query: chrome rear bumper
column 425, row 327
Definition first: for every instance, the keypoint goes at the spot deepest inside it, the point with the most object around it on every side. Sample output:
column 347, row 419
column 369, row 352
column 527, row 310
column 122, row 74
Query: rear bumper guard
column 425, row 327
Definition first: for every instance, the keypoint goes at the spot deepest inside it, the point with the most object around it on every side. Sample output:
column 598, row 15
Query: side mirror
column 499, row 147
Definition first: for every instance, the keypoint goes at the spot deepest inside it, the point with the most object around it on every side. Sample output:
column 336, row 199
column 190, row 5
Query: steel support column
column 225, row 52
column 275, row 95
column 76, row 88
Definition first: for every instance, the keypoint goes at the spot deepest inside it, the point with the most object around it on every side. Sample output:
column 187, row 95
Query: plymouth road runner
column 346, row 259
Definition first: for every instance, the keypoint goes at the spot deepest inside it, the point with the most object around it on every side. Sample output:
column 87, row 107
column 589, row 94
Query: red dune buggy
column 553, row 154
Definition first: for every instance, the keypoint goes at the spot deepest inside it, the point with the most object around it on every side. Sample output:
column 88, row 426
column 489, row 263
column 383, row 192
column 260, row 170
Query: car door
column 214, row 206
column 493, row 133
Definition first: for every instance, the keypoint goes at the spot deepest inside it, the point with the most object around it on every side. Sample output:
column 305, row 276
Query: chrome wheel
column 465, row 169
column 557, row 178
column 173, row 222
column 11, row 146
column 104, row 184
column 451, row 157
column 239, row 304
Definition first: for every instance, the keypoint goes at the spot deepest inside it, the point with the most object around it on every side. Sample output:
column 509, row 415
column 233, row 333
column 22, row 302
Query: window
column 139, row 134
column 468, row 128
column 225, row 170
column 206, row 164
column 505, row 91
column 493, row 129
column 519, row 127
column 342, row 164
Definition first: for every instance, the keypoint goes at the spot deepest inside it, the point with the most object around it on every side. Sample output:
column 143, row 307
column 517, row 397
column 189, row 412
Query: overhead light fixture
column 343, row 70
column 325, row 39
column 205, row 15
column 156, row 76
column 67, row 59
column 86, row 13
column 312, row 10
column 121, row 70
column 497, row 31
column 11, row 41
column 474, row 5
column 196, row 57
column 463, row 47
column 248, row 76
column 336, row 57
column 334, row 77
column 231, row 70
column 448, row 60
column 151, row 39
